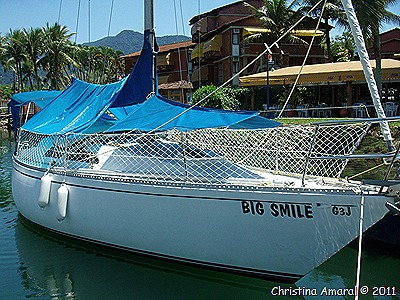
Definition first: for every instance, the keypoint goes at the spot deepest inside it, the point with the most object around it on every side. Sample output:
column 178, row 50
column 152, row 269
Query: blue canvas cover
column 82, row 107
column 156, row 111
column 40, row 98
column 140, row 83
column 76, row 109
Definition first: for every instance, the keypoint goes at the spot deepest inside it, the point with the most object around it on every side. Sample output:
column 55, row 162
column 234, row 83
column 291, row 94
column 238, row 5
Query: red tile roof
column 165, row 48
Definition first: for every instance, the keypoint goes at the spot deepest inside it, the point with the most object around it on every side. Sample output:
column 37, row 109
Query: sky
column 126, row 14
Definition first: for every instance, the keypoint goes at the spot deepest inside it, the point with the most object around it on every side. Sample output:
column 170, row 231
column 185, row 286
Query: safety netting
column 212, row 156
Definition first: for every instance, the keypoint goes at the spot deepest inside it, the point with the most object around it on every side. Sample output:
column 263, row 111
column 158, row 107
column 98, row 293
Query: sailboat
column 227, row 190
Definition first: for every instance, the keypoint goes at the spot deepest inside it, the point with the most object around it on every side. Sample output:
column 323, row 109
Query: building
column 390, row 44
column 219, row 49
column 222, row 49
column 174, row 70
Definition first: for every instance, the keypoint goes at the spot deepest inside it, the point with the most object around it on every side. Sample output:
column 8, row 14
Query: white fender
column 44, row 193
column 62, row 197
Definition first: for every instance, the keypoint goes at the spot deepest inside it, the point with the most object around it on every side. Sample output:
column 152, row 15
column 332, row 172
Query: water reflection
column 58, row 266
column 380, row 267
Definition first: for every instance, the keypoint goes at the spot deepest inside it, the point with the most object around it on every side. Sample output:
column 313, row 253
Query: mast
column 369, row 75
column 149, row 26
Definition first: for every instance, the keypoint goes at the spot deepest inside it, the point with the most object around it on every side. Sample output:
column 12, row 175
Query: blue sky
column 127, row 14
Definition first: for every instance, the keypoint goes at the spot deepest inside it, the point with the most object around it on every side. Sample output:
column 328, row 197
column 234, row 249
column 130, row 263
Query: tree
column 332, row 11
column 277, row 16
column 14, row 56
column 33, row 43
column 372, row 14
column 231, row 98
column 57, row 54
column 2, row 46
column 97, row 64
column 343, row 47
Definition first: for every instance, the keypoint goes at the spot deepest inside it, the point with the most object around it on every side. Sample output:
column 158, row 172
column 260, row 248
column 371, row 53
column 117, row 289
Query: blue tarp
column 156, row 111
column 75, row 109
column 40, row 98
column 82, row 107
column 140, row 82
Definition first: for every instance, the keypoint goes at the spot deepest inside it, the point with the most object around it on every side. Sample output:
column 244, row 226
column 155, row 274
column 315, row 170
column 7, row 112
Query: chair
column 359, row 110
column 390, row 109
column 302, row 110
column 322, row 111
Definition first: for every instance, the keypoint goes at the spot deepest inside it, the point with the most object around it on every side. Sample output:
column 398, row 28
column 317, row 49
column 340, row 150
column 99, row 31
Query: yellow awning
column 197, row 52
column 318, row 73
column 213, row 44
column 299, row 32
column 163, row 59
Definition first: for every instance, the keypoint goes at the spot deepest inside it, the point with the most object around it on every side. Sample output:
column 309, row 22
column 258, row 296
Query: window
column 235, row 66
column 235, row 39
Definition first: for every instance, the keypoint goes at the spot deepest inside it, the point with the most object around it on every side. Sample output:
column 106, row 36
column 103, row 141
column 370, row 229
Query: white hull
column 241, row 230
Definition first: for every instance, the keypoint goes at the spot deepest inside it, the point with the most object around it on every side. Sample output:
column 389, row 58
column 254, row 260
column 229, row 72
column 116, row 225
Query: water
column 38, row 264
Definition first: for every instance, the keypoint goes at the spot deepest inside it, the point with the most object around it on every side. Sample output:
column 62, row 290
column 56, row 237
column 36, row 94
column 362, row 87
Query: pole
column 149, row 26
column 268, row 82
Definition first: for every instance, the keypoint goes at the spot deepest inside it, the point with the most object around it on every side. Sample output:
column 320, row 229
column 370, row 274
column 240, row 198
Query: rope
column 360, row 246
column 108, row 34
column 304, row 62
column 59, row 12
column 77, row 21
column 179, row 52
column 366, row 171
column 240, row 71
column 222, row 85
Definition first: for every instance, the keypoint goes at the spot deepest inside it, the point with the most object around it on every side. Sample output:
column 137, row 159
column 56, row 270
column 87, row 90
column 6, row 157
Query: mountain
column 129, row 41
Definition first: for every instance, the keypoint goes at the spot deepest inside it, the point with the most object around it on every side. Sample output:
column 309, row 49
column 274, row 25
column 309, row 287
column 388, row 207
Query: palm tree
column 33, row 48
column 111, row 64
column 343, row 47
column 372, row 14
column 2, row 46
column 97, row 64
column 14, row 56
column 332, row 11
column 58, row 47
column 277, row 16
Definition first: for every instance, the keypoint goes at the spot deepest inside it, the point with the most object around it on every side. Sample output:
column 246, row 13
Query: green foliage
column 47, row 58
column 343, row 47
column 277, row 16
column 232, row 98
column 6, row 91
column 300, row 95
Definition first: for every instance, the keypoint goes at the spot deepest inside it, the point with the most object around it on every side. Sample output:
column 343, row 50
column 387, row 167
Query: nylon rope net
column 211, row 156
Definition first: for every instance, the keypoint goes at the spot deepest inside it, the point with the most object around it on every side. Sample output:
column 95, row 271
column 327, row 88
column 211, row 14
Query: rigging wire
column 199, row 32
column 188, row 62
column 105, row 49
column 179, row 55
column 361, row 226
column 222, row 85
column 234, row 76
column 89, row 30
column 304, row 61
column 182, row 18
column 59, row 12
column 77, row 20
